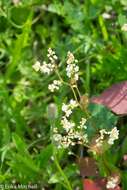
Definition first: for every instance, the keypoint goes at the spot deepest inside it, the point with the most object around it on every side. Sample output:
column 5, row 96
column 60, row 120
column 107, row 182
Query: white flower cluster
column 113, row 135
column 72, row 69
column 82, row 123
column 67, row 108
column 52, row 56
column 112, row 183
column 66, row 124
column 47, row 68
column 72, row 134
column 55, row 85
column 99, row 140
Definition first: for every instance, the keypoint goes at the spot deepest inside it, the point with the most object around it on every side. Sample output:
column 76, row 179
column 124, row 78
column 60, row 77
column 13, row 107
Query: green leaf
column 124, row 180
column 24, row 168
column 19, row 15
column 56, row 8
column 45, row 155
column 124, row 147
column 101, row 118
column 20, row 145
column 122, row 19
column 29, row 163
column 20, row 43
column 3, row 23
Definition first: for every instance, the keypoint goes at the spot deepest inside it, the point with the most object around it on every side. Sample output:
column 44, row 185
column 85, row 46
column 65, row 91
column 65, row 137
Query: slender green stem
column 35, row 142
column 60, row 78
column 74, row 93
column 78, row 91
column 62, row 173
column 88, row 78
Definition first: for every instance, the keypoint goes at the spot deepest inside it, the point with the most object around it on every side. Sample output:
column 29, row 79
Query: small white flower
column 70, row 57
column 82, row 124
column 66, row 124
column 73, row 104
column 36, row 66
column 76, row 68
column 55, row 57
column 83, row 121
column 52, row 56
column 112, row 183
column 82, row 138
column 114, row 135
column 106, row 15
column 57, row 137
column 64, row 107
column 47, row 68
column 99, row 140
column 54, row 86
column 66, row 142
column 124, row 28
column 102, row 133
column 72, row 69
column 50, row 52
column 67, row 108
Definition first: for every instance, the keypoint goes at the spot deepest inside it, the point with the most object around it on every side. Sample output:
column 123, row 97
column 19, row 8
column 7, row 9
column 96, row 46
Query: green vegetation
column 93, row 31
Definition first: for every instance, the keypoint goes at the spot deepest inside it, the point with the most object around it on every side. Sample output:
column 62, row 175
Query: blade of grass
column 103, row 28
column 21, row 42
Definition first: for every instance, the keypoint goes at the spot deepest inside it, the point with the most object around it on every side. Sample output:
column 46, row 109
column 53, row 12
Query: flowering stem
column 74, row 93
column 62, row 173
column 88, row 78
column 57, row 72
column 60, row 78
column 78, row 91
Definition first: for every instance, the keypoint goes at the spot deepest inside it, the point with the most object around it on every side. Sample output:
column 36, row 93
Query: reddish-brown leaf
column 115, row 98
column 99, row 184
column 88, row 167
column 89, row 184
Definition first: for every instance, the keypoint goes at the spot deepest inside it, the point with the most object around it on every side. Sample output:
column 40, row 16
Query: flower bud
column 52, row 111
